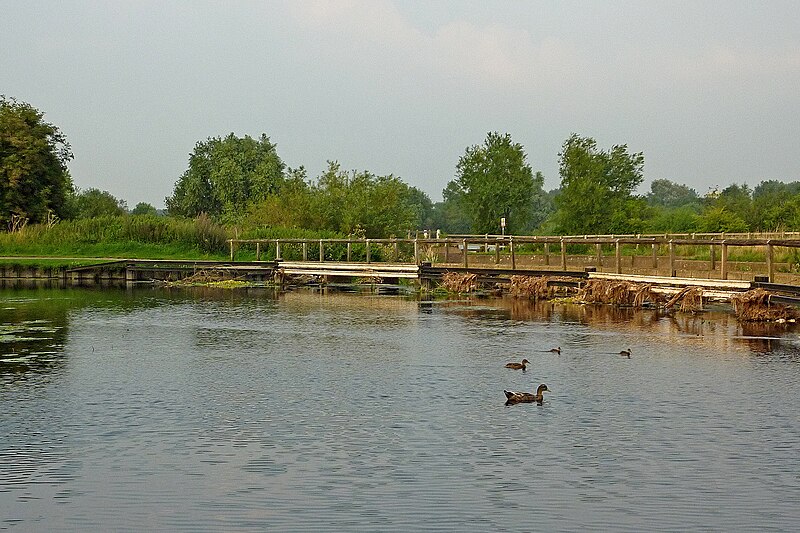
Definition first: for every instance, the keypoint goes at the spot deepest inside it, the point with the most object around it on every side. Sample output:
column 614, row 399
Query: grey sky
column 709, row 91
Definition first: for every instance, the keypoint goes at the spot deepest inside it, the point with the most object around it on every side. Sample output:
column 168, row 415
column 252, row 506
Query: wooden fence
column 464, row 250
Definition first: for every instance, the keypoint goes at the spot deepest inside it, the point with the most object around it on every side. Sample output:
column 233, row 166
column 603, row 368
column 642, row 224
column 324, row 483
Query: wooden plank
column 658, row 280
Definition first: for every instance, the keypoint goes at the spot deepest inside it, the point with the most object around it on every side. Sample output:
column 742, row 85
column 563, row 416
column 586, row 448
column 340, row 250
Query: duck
column 526, row 397
column 518, row 366
column 555, row 350
column 626, row 353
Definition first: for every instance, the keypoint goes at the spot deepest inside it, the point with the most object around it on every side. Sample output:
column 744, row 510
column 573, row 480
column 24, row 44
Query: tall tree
column 379, row 206
column 93, row 203
column 494, row 181
column 597, row 188
column 666, row 193
column 34, row 180
column 226, row 175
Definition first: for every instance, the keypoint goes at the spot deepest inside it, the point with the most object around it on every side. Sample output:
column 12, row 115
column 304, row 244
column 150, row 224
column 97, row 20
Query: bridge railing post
column 672, row 272
column 770, row 262
column 723, row 269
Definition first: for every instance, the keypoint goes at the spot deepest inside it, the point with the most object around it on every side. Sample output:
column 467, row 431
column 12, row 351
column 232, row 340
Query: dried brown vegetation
column 532, row 287
column 618, row 293
column 459, row 283
column 755, row 306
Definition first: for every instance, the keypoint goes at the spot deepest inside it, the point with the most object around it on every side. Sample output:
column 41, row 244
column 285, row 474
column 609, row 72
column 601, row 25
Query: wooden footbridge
column 725, row 261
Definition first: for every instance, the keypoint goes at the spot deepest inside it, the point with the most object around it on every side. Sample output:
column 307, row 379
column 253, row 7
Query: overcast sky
column 709, row 91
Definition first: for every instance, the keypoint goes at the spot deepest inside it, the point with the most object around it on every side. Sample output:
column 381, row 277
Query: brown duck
column 626, row 353
column 526, row 397
column 518, row 366
column 555, row 350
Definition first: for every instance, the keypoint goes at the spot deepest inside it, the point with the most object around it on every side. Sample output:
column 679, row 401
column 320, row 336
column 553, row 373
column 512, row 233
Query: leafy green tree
column 450, row 215
column 381, row 206
column 93, row 203
column 727, row 211
column 143, row 208
column 346, row 202
column 226, row 175
column 495, row 181
column 597, row 188
column 718, row 219
column 774, row 204
column 666, row 193
column 34, row 180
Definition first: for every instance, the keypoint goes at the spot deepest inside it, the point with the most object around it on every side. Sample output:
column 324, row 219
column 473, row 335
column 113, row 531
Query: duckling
column 518, row 366
column 526, row 397
column 626, row 353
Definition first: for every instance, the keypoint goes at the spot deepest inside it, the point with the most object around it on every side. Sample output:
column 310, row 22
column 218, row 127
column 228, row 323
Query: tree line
column 243, row 182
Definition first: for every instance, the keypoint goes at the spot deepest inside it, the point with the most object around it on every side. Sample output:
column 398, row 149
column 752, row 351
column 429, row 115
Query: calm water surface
column 249, row 410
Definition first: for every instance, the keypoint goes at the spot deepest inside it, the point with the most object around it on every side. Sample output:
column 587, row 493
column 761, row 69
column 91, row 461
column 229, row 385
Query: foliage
column 34, row 180
column 225, row 176
column 345, row 202
column 120, row 236
column 143, row 208
column 493, row 181
column 93, row 203
column 718, row 219
column 597, row 188
column 451, row 214
column 681, row 219
column 665, row 193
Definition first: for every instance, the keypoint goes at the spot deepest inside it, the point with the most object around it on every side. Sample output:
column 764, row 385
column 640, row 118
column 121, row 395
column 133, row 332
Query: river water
column 249, row 410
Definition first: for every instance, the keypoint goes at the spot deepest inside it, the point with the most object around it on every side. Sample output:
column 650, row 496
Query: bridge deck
column 381, row 270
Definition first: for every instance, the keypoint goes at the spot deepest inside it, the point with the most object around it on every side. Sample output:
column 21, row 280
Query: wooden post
column 618, row 257
column 513, row 255
column 369, row 259
column 770, row 262
column 258, row 251
column 305, row 250
column 724, row 261
column 712, row 254
column 655, row 256
column 671, row 258
column 416, row 251
column 349, row 251
column 497, row 251
column 464, row 244
column 446, row 251
column 563, row 255
column 231, row 241
column 599, row 260
column 278, row 250
column 321, row 251
column 547, row 253
column 396, row 251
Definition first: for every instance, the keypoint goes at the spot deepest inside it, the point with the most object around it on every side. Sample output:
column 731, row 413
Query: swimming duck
column 626, row 353
column 526, row 397
column 555, row 350
column 518, row 366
